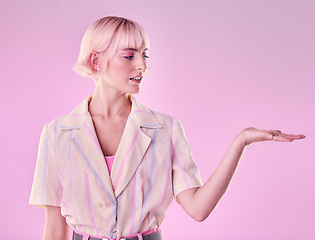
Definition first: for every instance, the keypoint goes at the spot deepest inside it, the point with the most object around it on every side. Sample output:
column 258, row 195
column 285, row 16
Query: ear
column 94, row 61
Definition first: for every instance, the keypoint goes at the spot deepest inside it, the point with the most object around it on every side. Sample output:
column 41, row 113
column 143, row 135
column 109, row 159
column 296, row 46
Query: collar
column 139, row 115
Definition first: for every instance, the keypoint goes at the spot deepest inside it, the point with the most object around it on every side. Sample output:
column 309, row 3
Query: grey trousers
column 152, row 236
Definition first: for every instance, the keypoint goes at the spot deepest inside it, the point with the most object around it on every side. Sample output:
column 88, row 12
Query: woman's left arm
column 199, row 202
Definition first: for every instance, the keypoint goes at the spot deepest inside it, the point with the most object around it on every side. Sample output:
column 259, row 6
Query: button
column 99, row 204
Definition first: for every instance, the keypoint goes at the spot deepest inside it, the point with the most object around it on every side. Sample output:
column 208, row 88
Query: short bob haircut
column 104, row 37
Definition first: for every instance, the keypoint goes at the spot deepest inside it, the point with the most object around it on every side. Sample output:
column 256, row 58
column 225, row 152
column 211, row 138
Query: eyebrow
column 133, row 49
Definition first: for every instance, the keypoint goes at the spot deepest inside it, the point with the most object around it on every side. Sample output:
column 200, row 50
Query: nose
column 141, row 64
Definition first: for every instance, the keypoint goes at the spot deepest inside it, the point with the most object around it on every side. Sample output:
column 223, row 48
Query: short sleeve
column 185, row 173
column 46, row 186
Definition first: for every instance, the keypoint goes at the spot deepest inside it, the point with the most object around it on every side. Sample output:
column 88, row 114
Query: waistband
column 152, row 234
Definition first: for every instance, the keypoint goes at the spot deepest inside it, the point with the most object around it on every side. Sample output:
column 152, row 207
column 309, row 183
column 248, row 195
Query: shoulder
column 71, row 120
column 165, row 120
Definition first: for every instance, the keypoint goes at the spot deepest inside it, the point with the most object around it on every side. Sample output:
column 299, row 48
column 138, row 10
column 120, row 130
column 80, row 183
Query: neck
column 108, row 102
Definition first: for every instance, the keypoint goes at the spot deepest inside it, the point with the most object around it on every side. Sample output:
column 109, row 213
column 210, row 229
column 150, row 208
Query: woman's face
column 126, row 69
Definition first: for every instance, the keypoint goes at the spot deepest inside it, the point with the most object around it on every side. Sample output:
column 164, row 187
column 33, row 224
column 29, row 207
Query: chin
column 134, row 91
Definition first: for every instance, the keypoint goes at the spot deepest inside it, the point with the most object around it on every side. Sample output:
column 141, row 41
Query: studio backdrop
column 218, row 66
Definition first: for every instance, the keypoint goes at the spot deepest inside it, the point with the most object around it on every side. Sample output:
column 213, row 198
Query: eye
column 145, row 56
column 129, row 57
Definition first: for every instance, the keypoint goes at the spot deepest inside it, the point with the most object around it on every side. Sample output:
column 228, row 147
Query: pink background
column 219, row 66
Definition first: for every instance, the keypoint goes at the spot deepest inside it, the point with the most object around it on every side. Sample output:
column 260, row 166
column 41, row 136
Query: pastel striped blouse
column 152, row 164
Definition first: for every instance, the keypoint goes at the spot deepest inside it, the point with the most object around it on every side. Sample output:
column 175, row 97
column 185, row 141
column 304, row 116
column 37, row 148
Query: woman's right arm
column 56, row 227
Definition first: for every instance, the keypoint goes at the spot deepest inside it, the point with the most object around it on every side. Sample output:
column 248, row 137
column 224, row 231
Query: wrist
column 242, row 139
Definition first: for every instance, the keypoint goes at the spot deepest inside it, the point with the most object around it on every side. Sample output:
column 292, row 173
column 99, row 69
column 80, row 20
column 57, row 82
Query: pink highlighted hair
column 104, row 37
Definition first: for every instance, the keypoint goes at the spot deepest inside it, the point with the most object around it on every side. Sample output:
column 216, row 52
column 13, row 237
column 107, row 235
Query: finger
column 274, row 133
column 287, row 137
column 281, row 139
column 278, row 131
column 295, row 137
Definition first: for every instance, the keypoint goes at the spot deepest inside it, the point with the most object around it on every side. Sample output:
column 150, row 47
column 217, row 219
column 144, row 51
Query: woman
column 110, row 168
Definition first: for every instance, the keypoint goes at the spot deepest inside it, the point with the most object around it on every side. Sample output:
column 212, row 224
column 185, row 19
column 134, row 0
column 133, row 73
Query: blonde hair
column 104, row 37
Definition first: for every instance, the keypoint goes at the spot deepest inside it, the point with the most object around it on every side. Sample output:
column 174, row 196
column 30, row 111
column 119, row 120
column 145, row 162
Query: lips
column 136, row 78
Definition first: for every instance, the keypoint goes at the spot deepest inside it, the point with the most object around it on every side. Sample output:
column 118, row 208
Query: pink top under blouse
column 109, row 161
